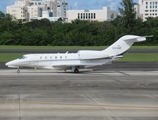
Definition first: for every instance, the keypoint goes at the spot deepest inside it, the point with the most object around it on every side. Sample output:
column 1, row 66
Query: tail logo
column 117, row 48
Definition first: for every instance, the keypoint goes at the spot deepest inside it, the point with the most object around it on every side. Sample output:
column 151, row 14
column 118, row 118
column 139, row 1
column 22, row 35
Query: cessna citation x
column 76, row 61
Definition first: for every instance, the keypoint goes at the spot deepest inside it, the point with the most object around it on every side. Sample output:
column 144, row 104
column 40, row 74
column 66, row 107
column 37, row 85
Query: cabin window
column 50, row 57
column 41, row 57
column 55, row 57
column 45, row 57
column 60, row 57
column 22, row 57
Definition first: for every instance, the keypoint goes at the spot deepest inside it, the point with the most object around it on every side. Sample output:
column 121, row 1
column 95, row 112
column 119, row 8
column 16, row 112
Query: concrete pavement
column 89, row 95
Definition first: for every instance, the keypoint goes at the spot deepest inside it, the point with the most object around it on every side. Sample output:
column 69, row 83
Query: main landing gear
column 75, row 70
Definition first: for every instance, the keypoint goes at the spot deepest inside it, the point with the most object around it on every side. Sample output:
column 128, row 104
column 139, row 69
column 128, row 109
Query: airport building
column 38, row 9
column 92, row 15
column 147, row 8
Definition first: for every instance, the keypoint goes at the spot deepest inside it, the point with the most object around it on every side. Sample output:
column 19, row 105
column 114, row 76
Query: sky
column 77, row 4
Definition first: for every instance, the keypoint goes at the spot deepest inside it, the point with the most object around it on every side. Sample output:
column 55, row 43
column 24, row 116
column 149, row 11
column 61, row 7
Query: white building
column 137, row 10
column 148, row 8
column 37, row 9
column 93, row 15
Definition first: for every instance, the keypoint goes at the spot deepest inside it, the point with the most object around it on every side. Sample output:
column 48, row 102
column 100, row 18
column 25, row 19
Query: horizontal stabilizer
column 138, row 39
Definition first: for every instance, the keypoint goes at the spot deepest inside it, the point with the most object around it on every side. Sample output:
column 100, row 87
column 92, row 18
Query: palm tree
column 128, row 13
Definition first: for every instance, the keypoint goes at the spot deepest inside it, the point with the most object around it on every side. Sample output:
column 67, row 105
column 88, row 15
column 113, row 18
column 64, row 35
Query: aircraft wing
column 79, row 65
column 85, row 63
column 70, row 66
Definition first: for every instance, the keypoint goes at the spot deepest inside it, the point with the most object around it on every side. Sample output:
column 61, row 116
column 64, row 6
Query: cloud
column 88, row 4
column 110, row 0
column 114, row 5
column 76, row 4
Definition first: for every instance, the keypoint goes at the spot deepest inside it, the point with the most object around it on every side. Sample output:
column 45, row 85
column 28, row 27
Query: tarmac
column 119, row 91
column 101, row 94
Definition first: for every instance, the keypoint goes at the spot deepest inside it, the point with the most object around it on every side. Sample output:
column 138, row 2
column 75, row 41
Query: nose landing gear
column 18, row 71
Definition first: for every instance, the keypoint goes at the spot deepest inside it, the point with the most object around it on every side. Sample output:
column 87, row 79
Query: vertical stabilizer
column 123, row 44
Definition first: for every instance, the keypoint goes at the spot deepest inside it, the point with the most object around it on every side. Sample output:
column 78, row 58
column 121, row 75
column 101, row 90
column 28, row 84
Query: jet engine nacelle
column 90, row 54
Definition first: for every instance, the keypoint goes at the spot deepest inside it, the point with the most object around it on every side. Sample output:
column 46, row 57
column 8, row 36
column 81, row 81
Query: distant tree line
column 78, row 33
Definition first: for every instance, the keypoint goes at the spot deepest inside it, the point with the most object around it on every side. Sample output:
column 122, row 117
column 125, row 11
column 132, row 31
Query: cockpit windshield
column 22, row 57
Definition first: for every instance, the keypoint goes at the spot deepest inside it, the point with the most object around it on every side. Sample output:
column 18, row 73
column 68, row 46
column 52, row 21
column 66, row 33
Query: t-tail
column 118, row 48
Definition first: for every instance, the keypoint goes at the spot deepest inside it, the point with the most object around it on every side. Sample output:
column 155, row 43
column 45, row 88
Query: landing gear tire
column 18, row 71
column 76, row 71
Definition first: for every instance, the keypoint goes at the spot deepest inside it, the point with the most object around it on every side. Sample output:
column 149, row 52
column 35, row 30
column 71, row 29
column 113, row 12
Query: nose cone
column 7, row 64
column 11, row 64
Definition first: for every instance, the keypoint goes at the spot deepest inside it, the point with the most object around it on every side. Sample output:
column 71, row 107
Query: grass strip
column 128, row 57
column 52, row 47
column 139, row 57
column 4, row 47
column 5, row 57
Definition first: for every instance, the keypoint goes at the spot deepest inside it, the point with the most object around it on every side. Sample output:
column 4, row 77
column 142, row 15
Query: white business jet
column 76, row 61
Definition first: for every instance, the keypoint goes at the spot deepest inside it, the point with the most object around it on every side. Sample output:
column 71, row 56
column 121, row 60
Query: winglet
column 149, row 36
